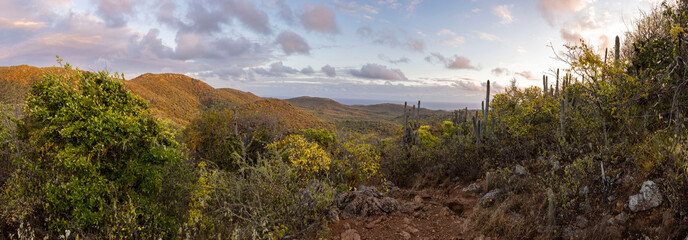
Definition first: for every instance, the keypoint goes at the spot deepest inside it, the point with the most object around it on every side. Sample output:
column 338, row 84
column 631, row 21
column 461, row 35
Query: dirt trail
column 425, row 214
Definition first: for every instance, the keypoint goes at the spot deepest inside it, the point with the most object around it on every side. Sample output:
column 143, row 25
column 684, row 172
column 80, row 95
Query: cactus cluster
column 411, row 125
column 460, row 119
column 566, row 101
column 480, row 128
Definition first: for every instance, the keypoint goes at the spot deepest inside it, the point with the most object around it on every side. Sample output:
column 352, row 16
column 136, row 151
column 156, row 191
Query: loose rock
column 520, row 170
column 365, row 202
column 489, row 198
column 648, row 198
column 474, row 188
column 351, row 234
column 405, row 235
column 621, row 218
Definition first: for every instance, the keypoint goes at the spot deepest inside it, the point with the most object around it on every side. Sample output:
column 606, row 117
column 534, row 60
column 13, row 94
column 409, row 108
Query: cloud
column 292, row 43
column 376, row 71
column 319, row 18
column 354, row 7
column 528, row 75
column 503, row 13
column 393, row 4
column 329, row 71
column 443, row 32
column 604, row 42
column 551, row 10
column 208, row 16
column 411, row 7
column 570, row 36
column 285, row 12
column 460, row 62
column 394, row 61
column 487, row 36
column 21, row 24
column 194, row 46
column 390, row 38
column 454, row 41
column 113, row 12
column 499, row 71
column 307, row 70
column 417, row 45
column 276, row 69
column 149, row 46
column 249, row 15
column 455, row 62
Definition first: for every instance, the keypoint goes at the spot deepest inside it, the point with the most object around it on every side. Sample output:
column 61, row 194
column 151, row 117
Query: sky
column 363, row 51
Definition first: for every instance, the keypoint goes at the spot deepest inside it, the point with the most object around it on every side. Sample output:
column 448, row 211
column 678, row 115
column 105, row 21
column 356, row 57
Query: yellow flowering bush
column 309, row 157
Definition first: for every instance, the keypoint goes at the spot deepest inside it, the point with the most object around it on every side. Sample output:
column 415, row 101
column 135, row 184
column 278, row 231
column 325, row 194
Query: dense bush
column 97, row 163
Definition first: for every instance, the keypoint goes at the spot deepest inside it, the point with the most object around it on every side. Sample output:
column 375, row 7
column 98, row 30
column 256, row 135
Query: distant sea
column 424, row 104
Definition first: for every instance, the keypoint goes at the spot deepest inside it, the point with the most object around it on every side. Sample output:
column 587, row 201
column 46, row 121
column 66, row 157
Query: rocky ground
column 431, row 213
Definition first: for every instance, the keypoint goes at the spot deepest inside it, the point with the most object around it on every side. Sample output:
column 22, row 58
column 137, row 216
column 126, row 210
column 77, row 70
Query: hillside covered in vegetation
column 600, row 151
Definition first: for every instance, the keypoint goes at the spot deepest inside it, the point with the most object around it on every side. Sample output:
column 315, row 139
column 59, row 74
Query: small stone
column 520, row 170
column 411, row 207
column 372, row 224
column 350, row 234
column 620, row 219
column 648, row 198
column 418, row 199
column 412, row 229
column 555, row 165
column 611, row 198
column 474, row 188
column 407, row 221
column 405, row 235
column 584, row 191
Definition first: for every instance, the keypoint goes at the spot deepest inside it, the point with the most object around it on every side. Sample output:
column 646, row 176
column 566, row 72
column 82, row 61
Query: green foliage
column 211, row 137
column 98, row 162
column 426, row 137
column 355, row 162
column 322, row 137
column 309, row 157
column 448, row 130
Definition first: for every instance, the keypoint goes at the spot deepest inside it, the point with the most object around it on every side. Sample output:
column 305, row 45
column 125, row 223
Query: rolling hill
column 176, row 97
column 181, row 98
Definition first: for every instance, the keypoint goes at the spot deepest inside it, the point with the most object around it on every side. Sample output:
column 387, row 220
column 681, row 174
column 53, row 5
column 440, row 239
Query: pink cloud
column 319, row 18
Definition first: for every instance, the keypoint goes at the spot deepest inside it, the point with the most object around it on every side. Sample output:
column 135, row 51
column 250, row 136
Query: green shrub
column 98, row 162
column 322, row 137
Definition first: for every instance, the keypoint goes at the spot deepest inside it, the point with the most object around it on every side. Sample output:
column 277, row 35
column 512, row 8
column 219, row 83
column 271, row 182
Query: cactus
column 411, row 125
column 544, row 86
column 486, row 111
column 551, row 211
column 617, row 47
column 556, row 92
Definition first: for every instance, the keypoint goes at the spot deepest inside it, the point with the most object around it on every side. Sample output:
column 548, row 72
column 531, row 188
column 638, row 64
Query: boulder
column 489, row 198
column 648, row 198
column 365, row 202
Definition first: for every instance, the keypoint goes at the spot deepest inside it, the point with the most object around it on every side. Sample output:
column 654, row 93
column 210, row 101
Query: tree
column 98, row 161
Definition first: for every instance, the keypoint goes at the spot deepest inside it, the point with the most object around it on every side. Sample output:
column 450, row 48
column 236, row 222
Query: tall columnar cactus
column 480, row 127
column 617, row 47
column 551, row 211
column 411, row 125
column 556, row 92
column 544, row 86
column 486, row 111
